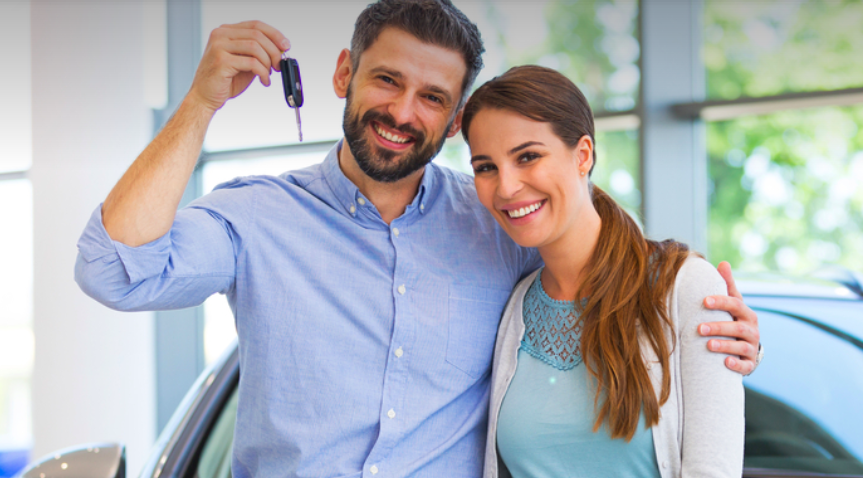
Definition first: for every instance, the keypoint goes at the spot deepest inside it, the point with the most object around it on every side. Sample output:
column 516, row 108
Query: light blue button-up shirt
column 365, row 348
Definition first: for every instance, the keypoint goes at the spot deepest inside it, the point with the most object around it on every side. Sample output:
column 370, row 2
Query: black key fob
column 291, row 82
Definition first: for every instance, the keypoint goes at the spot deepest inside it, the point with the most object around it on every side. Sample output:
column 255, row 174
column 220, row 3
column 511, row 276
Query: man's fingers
column 738, row 348
column 279, row 41
column 272, row 52
column 734, row 306
column 246, row 63
column 725, row 271
column 743, row 367
column 250, row 49
column 733, row 329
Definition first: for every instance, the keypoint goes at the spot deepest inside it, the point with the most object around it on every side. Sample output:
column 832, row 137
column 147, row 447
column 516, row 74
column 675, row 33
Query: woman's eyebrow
column 525, row 145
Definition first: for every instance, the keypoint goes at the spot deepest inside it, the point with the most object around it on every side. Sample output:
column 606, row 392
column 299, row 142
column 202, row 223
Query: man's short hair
column 437, row 22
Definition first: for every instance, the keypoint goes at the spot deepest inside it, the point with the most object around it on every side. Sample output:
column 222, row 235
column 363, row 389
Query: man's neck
column 390, row 199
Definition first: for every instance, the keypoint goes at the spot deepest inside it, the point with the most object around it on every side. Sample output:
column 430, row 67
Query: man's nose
column 402, row 109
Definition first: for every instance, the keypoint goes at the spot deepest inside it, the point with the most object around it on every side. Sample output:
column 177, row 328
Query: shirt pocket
column 474, row 316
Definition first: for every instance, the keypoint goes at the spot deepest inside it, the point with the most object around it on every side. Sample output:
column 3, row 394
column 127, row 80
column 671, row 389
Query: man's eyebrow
column 389, row 72
column 479, row 157
column 430, row 87
column 525, row 145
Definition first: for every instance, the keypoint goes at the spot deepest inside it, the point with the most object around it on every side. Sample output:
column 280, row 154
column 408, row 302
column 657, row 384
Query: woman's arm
column 713, row 405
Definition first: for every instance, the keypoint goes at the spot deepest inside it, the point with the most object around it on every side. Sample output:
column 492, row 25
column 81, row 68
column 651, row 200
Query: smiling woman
column 590, row 347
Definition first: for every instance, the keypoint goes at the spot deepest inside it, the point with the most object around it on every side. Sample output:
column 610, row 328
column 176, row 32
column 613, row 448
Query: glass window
column 775, row 46
column 16, row 333
column 785, row 192
column 594, row 42
column 802, row 409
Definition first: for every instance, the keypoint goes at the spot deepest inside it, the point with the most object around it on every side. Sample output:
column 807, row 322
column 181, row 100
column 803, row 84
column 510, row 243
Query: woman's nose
column 509, row 183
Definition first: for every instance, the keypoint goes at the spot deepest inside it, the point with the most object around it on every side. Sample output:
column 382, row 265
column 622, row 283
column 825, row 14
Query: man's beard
column 379, row 163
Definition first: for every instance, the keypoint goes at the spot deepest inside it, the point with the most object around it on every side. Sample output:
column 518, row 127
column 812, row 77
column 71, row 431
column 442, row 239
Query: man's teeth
column 516, row 213
column 391, row 137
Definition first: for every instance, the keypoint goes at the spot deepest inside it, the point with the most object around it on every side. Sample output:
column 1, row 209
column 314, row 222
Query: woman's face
column 527, row 177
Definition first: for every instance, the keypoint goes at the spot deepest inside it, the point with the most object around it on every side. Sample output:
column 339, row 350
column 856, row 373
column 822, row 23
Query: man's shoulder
column 457, row 186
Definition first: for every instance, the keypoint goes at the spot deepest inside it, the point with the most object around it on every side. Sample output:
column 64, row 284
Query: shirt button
column 402, row 289
column 361, row 201
column 665, row 464
column 353, row 209
column 396, row 231
column 391, row 413
column 399, row 352
column 422, row 207
column 374, row 470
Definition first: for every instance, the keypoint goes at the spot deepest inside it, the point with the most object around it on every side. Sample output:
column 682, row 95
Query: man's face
column 401, row 103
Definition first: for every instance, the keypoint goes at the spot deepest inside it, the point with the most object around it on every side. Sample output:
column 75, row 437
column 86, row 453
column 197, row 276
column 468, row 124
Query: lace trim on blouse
column 549, row 333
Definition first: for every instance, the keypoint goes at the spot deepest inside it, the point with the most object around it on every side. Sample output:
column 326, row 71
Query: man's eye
column 387, row 79
column 435, row 99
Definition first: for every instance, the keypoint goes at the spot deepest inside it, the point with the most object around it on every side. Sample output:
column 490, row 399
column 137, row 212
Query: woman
column 598, row 369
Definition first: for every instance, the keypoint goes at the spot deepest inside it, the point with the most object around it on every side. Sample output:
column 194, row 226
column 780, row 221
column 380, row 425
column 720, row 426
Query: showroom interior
column 734, row 126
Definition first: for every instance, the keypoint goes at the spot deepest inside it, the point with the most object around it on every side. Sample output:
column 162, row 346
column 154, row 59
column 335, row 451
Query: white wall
column 93, row 378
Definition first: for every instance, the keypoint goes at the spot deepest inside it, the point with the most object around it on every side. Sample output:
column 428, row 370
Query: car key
column 293, row 86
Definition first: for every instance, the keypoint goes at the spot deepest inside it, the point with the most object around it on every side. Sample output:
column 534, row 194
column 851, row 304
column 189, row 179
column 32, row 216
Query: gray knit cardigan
column 700, row 431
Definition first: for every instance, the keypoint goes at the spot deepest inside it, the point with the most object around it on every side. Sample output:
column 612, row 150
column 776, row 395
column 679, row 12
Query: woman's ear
column 584, row 153
column 343, row 74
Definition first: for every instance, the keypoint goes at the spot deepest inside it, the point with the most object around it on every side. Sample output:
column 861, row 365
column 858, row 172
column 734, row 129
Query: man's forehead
column 400, row 51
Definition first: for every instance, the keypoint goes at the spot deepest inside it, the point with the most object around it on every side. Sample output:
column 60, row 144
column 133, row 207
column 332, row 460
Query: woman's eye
column 482, row 168
column 528, row 157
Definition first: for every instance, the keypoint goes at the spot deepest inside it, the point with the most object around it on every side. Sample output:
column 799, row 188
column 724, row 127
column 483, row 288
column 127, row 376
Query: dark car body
column 803, row 416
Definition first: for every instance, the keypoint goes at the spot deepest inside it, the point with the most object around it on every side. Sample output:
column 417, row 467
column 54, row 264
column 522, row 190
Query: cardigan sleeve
column 713, row 404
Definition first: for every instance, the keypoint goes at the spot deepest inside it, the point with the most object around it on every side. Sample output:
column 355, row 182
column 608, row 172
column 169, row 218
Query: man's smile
column 391, row 138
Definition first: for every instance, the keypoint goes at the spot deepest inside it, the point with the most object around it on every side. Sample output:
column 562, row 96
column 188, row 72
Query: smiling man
column 366, row 290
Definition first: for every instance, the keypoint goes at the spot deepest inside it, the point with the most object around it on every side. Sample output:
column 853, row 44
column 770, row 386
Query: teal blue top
column 545, row 425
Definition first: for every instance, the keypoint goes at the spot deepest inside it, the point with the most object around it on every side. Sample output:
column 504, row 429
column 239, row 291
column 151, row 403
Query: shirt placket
column 394, row 412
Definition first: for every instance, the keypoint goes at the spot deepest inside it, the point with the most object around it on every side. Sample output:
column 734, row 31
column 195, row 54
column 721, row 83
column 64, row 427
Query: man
column 366, row 290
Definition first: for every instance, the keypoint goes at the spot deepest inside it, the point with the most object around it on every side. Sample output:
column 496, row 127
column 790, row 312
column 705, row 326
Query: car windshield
column 802, row 404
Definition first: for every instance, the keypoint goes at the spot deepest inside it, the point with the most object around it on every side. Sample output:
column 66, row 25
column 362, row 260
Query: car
column 803, row 414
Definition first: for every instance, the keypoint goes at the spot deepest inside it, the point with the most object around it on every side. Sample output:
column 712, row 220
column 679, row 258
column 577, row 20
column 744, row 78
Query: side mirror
column 98, row 460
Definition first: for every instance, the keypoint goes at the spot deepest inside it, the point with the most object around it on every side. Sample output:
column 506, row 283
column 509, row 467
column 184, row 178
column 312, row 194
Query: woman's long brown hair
column 628, row 278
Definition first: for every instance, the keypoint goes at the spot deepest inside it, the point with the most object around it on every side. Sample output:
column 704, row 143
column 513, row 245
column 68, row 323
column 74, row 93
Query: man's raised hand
column 234, row 56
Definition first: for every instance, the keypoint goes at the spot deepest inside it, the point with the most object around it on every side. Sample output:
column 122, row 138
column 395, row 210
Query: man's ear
column 343, row 74
column 456, row 124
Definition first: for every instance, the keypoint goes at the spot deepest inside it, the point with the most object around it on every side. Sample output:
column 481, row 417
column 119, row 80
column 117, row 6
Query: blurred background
column 736, row 126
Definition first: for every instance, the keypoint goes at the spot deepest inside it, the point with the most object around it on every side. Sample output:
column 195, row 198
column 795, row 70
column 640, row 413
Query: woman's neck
column 566, row 260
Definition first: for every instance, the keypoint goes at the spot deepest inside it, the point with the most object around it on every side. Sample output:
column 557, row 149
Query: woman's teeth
column 391, row 137
column 517, row 213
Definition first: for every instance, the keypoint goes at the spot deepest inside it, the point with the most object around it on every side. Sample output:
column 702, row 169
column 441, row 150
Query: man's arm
column 142, row 205
column 744, row 350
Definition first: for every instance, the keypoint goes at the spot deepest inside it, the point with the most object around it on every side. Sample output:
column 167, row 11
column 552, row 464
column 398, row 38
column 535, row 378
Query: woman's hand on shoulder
column 744, row 350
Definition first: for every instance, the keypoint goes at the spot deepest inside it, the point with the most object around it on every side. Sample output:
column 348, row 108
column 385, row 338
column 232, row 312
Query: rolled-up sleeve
column 192, row 261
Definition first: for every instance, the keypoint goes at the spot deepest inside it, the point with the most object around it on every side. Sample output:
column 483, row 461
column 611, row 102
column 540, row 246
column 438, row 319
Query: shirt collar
column 351, row 199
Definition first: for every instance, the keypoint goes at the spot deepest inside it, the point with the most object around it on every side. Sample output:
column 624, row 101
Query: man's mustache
column 390, row 122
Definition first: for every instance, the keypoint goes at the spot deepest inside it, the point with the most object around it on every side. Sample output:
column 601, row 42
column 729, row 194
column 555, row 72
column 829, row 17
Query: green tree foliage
column 786, row 189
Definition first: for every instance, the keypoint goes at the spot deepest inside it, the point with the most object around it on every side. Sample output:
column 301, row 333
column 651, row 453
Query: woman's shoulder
column 698, row 275
column 695, row 280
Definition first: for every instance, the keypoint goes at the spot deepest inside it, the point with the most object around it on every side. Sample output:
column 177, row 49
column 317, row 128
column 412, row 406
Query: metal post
column 674, row 154
column 179, row 333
